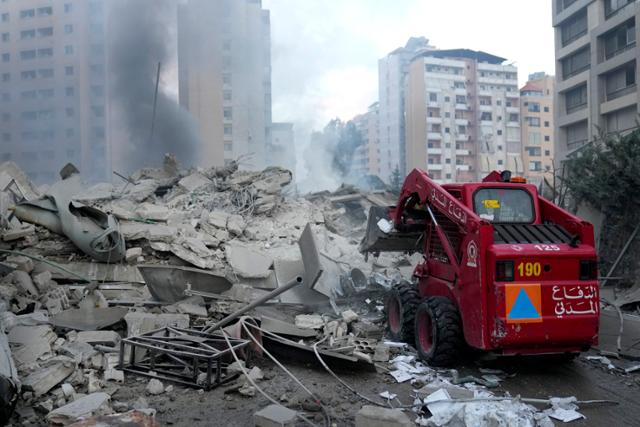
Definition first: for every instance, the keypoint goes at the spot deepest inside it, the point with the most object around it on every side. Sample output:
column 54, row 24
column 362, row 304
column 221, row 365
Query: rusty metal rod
column 294, row 282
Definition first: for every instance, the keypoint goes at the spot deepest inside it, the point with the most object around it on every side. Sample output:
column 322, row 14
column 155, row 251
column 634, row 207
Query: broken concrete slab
column 152, row 232
column 24, row 283
column 43, row 380
column 194, row 182
column 247, row 262
column 376, row 416
column 30, row 334
column 94, row 271
column 110, row 338
column 167, row 283
column 194, row 306
column 309, row 321
column 236, row 224
column 282, row 327
column 153, row 212
column 132, row 254
column 21, row 263
column 92, row 404
column 218, row 219
column 79, row 351
column 137, row 418
column 84, row 319
column 43, row 281
column 275, row 416
column 18, row 233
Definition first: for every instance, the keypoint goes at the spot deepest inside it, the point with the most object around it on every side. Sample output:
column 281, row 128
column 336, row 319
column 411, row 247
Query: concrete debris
column 132, row 255
column 309, row 321
column 154, row 387
column 43, row 380
column 93, row 404
column 349, row 316
column 247, row 263
column 375, row 416
column 110, row 338
column 275, row 416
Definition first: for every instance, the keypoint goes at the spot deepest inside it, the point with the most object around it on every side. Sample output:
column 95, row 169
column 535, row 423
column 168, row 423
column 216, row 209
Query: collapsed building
column 184, row 278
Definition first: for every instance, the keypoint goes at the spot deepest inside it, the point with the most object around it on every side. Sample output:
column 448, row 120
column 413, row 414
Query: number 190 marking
column 529, row 269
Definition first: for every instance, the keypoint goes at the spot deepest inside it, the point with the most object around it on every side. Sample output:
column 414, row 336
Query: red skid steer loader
column 504, row 270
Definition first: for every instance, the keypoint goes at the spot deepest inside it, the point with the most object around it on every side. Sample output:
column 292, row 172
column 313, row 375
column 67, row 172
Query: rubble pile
column 86, row 268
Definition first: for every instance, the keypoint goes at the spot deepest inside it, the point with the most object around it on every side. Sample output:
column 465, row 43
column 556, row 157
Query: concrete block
column 132, row 254
column 309, row 321
column 375, row 416
column 22, row 263
column 275, row 416
column 110, row 338
column 349, row 316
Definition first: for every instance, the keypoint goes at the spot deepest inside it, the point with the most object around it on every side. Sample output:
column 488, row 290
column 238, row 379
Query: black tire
column 402, row 300
column 438, row 332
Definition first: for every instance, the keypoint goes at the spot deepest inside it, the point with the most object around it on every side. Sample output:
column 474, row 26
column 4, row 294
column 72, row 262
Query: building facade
column 596, row 70
column 392, row 72
column 366, row 156
column 462, row 115
column 224, row 66
column 538, row 130
column 53, row 87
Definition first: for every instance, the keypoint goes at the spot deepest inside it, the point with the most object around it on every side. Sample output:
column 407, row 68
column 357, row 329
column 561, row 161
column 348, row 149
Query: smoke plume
column 140, row 38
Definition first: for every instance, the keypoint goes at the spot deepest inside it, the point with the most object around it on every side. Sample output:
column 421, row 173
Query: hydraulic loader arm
column 419, row 190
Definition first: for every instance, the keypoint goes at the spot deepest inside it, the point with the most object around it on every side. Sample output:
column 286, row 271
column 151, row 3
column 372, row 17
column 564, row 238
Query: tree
column 395, row 180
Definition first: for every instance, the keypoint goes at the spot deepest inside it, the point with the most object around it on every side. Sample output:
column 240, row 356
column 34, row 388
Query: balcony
column 621, row 92
column 436, row 120
column 462, row 137
column 463, row 153
column 463, row 168
column 434, row 135
column 612, row 7
column 462, row 122
column 434, row 150
column 432, row 167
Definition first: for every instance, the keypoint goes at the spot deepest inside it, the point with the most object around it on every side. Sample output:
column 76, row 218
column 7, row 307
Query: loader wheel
column 438, row 331
column 400, row 306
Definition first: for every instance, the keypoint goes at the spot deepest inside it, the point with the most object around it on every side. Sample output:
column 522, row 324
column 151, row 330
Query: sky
column 325, row 52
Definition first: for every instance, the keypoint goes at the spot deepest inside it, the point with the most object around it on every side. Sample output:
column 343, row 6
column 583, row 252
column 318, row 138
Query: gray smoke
column 140, row 39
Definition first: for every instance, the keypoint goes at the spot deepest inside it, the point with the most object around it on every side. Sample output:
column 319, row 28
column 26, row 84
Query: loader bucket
column 375, row 240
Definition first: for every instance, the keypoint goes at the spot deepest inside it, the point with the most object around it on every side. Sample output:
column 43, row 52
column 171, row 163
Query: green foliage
column 606, row 174
column 395, row 180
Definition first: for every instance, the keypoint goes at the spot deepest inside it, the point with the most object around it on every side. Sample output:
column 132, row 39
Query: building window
column 6, row 37
column 547, row 152
column 27, row 34
column 6, row 77
column 28, row 94
column 577, row 135
column 26, row 55
column 621, row 82
column 533, row 121
column 563, row 4
column 535, row 166
column 619, row 39
column 547, row 138
column 228, row 113
column 485, row 116
column 574, row 27
column 5, row 17
column 27, row 13
column 576, row 99
column 6, row 117
column 68, row 29
column 69, row 91
column 534, row 151
column 70, row 133
column 499, row 132
column 226, row 78
column 68, row 7
column 447, row 99
column 500, row 162
column 462, row 130
column 533, row 107
column 433, row 97
column 6, row 137
column 448, row 176
column 611, row 7
column 28, row 75
column 227, row 95
column 226, row 45
column 228, row 147
column 576, row 63
column 446, row 130
column 447, row 161
column 45, row 32
column 228, row 130
column 6, row 57
column 546, row 109
column 69, row 112
column 546, row 124
column 97, row 91
column 461, row 99
column 68, row 70
column 46, row 93
column 6, row 97
column 534, row 138
column 45, row 11
column 98, row 110
column 68, row 50
column 46, row 52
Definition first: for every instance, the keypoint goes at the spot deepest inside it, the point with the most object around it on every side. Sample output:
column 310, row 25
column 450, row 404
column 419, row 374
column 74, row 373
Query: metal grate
column 530, row 233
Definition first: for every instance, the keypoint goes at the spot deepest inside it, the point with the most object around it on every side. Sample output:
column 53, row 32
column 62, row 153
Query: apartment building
column 392, row 72
column 224, row 66
column 537, row 125
column 596, row 70
column 53, row 87
column 366, row 157
column 462, row 115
